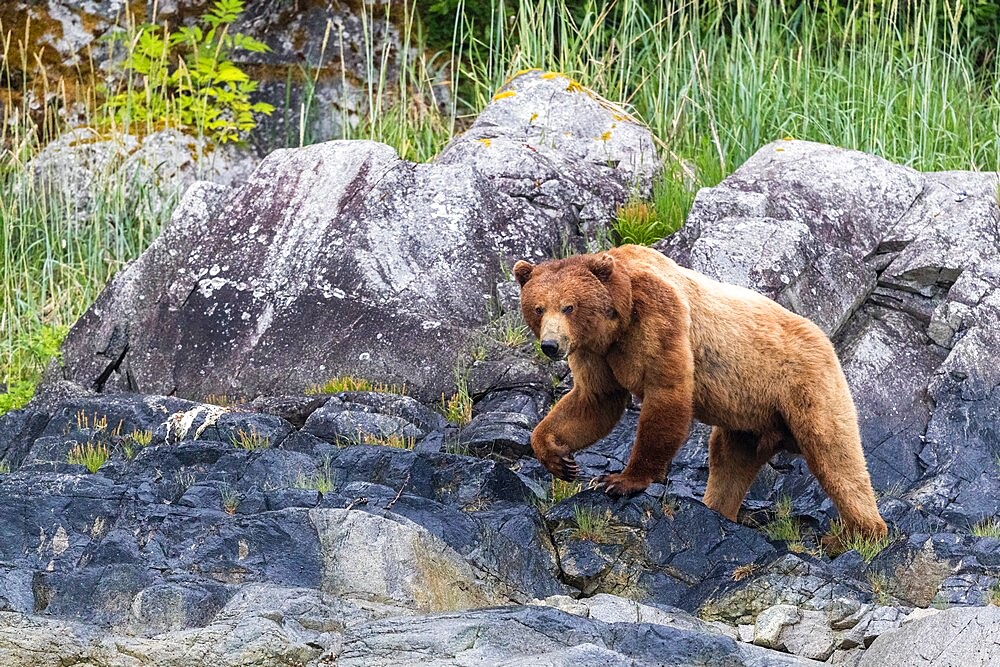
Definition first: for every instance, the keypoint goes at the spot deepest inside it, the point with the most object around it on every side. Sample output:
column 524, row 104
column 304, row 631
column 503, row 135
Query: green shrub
column 186, row 78
column 32, row 352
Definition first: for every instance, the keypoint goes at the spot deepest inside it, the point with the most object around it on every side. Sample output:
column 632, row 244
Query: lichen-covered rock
column 901, row 268
column 340, row 258
column 152, row 171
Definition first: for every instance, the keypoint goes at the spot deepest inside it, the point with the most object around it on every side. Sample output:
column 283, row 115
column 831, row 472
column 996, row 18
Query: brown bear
column 630, row 320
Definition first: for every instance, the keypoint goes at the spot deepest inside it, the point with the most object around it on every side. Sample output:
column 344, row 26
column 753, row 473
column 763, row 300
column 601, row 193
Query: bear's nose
column 550, row 348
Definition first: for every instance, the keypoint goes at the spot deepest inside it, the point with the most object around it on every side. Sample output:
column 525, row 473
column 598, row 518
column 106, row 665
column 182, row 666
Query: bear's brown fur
column 632, row 321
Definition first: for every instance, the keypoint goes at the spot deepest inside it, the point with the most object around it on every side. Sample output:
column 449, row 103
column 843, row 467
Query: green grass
column 783, row 527
column 321, row 480
column 987, row 528
column 394, row 440
column 230, row 499
column 250, row 440
column 868, row 547
column 350, row 383
column 714, row 80
column 558, row 491
column 90, row 455
column 589, row 524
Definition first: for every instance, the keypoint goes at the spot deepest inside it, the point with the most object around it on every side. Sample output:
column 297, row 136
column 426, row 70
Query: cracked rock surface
column 284, row 530
column 342, row 258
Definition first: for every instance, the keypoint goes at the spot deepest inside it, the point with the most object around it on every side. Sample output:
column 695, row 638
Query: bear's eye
column 567, row 310
column 539, row 310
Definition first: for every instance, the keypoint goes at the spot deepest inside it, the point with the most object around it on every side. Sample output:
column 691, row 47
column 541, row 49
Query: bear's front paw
column 620, row 484
column 556, row 457
column 564, row 467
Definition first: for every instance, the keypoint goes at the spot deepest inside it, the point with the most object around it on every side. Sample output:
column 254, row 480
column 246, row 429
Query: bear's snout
column 550, row 348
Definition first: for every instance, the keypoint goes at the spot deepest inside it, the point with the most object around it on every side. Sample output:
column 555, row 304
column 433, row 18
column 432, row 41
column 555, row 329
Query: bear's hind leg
column 734, row 459
column 832, row 450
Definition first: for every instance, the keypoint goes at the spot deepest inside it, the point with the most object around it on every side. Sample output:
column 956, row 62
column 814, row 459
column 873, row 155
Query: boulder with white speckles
column 341, row 258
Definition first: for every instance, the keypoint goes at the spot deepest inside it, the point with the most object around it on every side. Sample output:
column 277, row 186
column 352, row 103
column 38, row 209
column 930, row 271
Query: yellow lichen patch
column 505, row 94
column 575, row 87
column 552, row 75
column 788, row 138
column 534, row 116
column 519, row 73
column 606, row 136
column 779, row 149
column 485, row 142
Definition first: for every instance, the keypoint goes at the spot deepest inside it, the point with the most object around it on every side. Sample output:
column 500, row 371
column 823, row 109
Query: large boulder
column 902, row 269
column 960, row 637
column 341, row 258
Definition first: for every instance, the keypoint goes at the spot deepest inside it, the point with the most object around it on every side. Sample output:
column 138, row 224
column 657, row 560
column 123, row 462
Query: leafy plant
column 90, row 455
column 39, row 346
column 4, row 466
column 186, row 77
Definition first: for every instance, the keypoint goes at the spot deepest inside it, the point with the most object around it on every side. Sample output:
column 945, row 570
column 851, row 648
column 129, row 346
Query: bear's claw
column 570, row 468
column 616, row 486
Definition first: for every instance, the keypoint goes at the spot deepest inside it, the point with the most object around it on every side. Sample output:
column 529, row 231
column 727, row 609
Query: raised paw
column 619, row 485
column 569, row 468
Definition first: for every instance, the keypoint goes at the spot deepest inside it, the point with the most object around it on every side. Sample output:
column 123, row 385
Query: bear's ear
column 602, row 266
column 522, row 271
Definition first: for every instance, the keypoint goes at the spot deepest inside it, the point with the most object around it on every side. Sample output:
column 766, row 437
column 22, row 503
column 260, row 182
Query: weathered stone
column 397, row 258
column 771, row 624
column 959, row 637
column 392, row 561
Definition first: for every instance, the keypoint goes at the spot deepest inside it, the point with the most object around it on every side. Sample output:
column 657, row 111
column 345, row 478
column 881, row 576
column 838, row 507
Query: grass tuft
column 321, row 480
column 591, row 524
column 344, row 383
column 558, row 491
column 230, row 499
column 987, row 528
column 90, row 455
column 394, row 440
column 783, row 527
column 250, row 440
column 868, row 547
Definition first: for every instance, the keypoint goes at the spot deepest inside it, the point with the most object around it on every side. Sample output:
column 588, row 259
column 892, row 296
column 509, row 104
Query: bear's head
column 580, row 303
